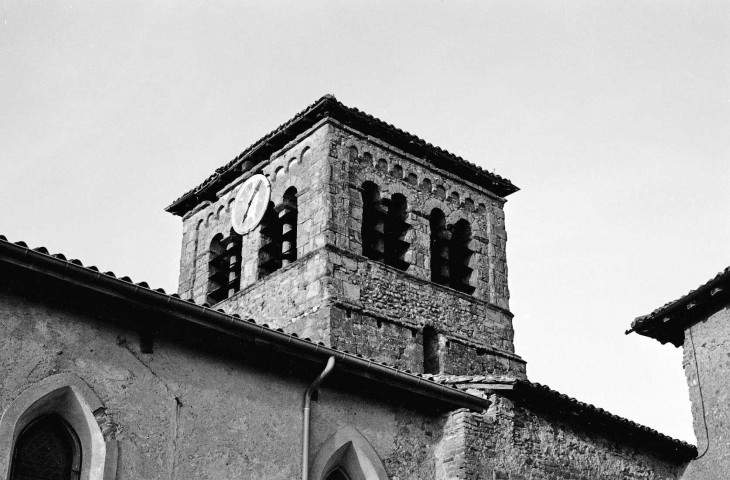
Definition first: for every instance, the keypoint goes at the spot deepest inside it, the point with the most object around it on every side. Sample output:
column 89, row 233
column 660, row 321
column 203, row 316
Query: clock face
column 250, row 204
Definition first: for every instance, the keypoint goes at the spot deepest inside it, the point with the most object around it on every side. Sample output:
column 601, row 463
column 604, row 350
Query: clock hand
column 253, row 195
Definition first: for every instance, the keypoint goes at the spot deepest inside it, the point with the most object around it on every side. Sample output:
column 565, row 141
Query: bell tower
column 369, row 240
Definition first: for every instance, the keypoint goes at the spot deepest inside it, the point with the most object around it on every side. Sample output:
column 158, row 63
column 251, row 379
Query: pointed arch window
column 47, row 448
column 338, row 474
column 347, row 455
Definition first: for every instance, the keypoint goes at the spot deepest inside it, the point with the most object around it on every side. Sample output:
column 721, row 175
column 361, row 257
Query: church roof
column 539, row 397
column 329, row 106
column 462, row 391
column 18, row 260
column 668, row 322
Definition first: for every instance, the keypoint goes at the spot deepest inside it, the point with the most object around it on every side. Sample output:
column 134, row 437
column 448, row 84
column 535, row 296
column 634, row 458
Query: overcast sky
column 612, row 117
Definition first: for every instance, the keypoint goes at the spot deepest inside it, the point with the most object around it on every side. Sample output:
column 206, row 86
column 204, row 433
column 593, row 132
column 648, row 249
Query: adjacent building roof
column 539, row 397
column 18, row 259
column 329, row 106
column 668, row 322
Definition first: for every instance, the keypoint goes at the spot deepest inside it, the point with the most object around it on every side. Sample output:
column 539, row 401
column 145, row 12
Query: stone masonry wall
column 478, row 337
column 706, row 366
column 477, row 329
column 371, row 337
column 302, row 165
column 512, row 443
column 186, row 411
column 392, row 307
column 360, row 159
column 292, row 297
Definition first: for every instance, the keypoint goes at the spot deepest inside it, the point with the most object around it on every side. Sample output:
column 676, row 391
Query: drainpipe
column 307, row 400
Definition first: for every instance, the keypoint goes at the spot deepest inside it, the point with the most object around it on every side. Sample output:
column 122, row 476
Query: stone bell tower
column 372, row 241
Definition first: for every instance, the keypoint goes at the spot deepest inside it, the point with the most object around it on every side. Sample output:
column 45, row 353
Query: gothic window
column 459, row 257
column 288, row 218
column 439, row 247
column 270, row 249
column 224, row 267
column 338, row 474
column 396, row 229
column 47, row 449
column 373, row 222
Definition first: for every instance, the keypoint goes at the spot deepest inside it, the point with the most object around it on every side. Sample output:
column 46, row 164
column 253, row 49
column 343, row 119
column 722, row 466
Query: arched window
column 224, row 267
column 459, row 258
column 347, row 455
column 396, row 229
column 439, row 247
column 279, row 234
column 47, row 448
column 373, row 222
column 338, row 474
column 270, row 249
column 288, row 217
column 53, row 430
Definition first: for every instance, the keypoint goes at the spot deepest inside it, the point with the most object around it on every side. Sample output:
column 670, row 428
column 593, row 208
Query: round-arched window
column 47, row 449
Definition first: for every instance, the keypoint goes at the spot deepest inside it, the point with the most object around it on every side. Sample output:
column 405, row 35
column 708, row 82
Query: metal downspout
column 307, row 401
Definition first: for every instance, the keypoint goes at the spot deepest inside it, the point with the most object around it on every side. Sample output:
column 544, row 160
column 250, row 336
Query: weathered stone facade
column 514, row 443
column 199, row 410
column 698, row 322
column 334, row 294
column 400, row 269
column 200, row 405
column 706, row 352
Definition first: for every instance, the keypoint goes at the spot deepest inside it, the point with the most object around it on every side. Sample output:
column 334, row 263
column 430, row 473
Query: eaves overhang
column 329, row 107
column 39, row 262
column 668, row 322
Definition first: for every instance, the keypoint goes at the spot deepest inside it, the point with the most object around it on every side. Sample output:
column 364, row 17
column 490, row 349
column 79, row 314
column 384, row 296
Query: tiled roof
column 39, row 261
column 329, row 106
column 668, row 322
column 462, row 390
column 544, row 398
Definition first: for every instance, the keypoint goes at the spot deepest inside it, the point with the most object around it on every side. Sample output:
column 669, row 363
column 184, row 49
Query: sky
column 613, row 117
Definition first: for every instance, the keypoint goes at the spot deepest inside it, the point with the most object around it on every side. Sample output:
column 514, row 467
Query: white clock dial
column 250, row 204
